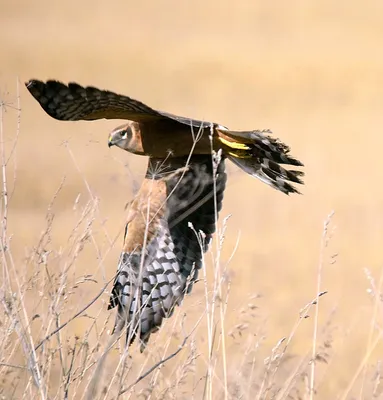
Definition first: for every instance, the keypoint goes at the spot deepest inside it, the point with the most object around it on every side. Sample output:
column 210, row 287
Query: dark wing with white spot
column 174, row 254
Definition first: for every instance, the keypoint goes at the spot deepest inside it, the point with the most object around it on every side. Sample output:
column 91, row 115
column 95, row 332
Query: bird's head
column 127, row 137
column 120, row 137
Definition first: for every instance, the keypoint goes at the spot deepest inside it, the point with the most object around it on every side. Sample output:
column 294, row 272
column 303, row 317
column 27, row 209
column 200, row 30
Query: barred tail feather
column 260, row 155
column 277, row 177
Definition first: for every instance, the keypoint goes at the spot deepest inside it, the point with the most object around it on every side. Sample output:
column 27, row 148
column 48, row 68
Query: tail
column 260, row 155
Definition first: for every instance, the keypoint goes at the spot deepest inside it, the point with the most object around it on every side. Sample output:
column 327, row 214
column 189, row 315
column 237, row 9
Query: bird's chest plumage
column 144, row 216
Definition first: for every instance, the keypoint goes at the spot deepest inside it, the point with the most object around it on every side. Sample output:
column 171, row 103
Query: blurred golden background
column 310, row 71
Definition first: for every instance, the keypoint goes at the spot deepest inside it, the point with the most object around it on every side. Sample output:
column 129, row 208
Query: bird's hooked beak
column 111, row 141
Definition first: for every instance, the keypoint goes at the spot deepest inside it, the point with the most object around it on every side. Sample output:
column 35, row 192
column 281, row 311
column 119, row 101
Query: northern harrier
column 173, row 217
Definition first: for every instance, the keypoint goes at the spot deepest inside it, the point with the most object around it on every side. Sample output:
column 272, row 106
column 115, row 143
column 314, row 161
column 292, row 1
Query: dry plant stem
column 219, row 235
column 9, row 304
column 209, row 326
column 98, row 210
column 208, row 392
column 18, row 109
column 376, row 291
column 16, row 139
column 4, row 217
column 361, row 365
column 66, row 387
column 4, row 176
column 377, row 301
column 91, row 389
column 164, row 360
column 155, row 366
column 165, row 349
column 12, row 366
column 286, row 388
column 274, row 356
column 74, row 316
column 75, row 249
column 120, row 362
column 211, row 329
column 327, row 372
column 303, row 314
column 156, row 375
column 59, row 343
column 319, row 280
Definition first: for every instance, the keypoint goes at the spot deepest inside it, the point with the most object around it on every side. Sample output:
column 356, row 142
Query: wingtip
column 291, row 190
column 288, row 189
column 36, row 82
column 30, row 83
column 293, row 161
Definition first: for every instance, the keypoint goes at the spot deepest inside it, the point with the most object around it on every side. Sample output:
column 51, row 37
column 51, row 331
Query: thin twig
column 74, row 316
column 4, row 176
column 66, row 388
column 12, row 366
column 375, row 291
column 316, row 323
column 158, row 364
column 24, row 334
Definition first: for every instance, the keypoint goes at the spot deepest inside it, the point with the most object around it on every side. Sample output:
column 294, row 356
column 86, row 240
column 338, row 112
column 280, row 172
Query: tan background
column 311, row 71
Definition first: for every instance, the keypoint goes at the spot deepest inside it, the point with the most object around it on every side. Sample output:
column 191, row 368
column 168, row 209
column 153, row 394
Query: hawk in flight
column 173, row 216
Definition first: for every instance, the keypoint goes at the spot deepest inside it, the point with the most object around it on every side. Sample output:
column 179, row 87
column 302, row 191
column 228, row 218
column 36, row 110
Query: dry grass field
column 310, row 71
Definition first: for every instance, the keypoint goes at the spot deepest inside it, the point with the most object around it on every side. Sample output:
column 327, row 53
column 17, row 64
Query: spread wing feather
column 74, row 102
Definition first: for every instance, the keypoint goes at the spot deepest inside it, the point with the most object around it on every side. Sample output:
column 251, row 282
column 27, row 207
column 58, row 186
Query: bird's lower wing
column 151, row 283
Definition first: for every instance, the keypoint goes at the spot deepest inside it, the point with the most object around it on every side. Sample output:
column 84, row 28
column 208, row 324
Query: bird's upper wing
column 147, row 289
column 73, row 102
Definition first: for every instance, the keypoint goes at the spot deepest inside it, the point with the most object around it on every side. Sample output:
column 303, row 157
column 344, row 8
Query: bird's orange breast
column 146, row 210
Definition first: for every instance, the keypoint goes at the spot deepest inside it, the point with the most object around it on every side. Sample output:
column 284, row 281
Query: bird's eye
column 123, row 134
